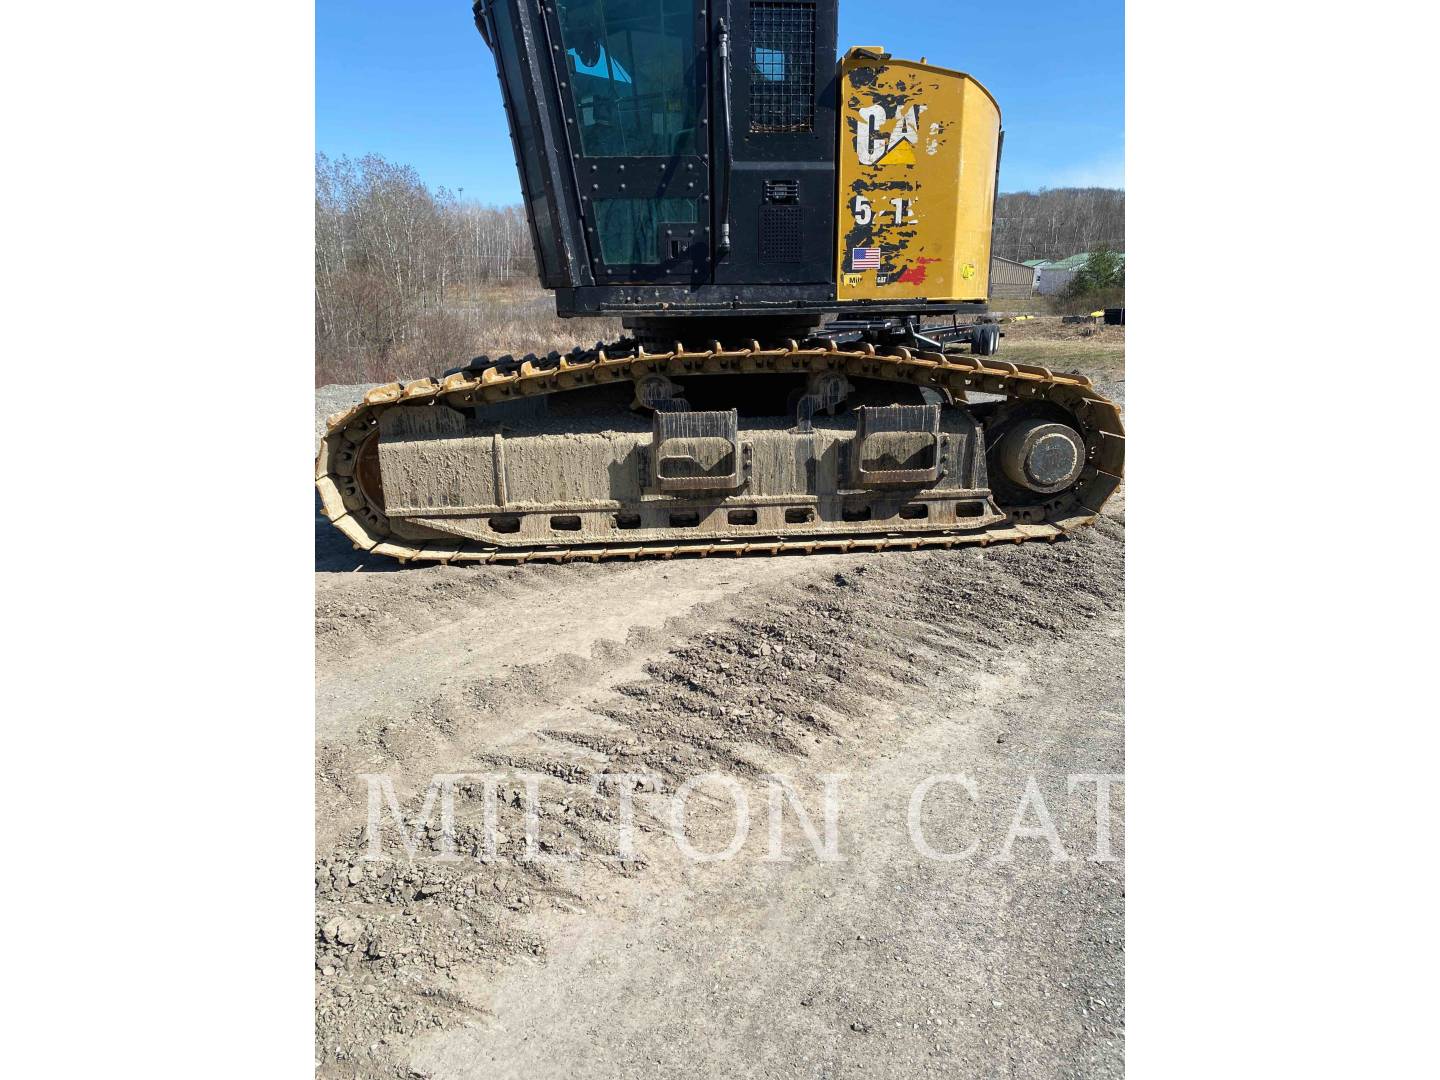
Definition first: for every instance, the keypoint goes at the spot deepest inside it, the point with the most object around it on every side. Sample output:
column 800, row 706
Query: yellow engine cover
column 919, row 148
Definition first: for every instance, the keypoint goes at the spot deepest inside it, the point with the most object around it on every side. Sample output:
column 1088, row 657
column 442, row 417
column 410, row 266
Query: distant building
column 1035, row 265
column 1052, row 275
column 1010, row 280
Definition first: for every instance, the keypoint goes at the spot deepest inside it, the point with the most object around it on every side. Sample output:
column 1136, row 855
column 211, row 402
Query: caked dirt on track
column 1001, row 664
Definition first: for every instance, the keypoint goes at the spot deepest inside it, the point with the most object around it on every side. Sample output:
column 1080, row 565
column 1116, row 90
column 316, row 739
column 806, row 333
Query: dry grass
column 1083, row 303
column 515, row 320
column 1088, row 335
column 509, row 319
column 1048, row 342
column 1030, row 305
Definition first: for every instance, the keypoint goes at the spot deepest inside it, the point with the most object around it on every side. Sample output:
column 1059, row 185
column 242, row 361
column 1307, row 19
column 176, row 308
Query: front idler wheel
column 1041, row 456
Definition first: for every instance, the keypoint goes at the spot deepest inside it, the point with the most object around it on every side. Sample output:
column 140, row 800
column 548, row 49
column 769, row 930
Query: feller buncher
column 790, row 244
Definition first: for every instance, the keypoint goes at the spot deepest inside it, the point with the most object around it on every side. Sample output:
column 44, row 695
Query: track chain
column 487, row 382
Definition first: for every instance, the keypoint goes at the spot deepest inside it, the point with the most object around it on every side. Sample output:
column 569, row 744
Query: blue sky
column 412, row 80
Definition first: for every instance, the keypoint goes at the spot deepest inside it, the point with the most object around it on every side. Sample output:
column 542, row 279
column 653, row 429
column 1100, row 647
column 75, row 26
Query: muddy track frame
column 487, row 382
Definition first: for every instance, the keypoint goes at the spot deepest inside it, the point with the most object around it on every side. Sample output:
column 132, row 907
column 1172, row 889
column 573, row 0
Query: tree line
column 1055, row 223
column 391, row 259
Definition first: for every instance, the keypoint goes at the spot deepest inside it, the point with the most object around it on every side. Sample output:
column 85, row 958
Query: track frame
column 506, row 379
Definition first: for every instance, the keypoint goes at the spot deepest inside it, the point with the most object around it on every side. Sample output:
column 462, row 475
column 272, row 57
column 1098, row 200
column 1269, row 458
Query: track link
column 488, row 382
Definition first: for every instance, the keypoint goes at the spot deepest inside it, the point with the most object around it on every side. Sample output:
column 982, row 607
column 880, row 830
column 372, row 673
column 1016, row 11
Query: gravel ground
column 1002, row 665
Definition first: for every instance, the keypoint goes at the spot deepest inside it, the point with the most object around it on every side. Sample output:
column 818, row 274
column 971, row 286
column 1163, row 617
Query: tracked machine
column 791, row 244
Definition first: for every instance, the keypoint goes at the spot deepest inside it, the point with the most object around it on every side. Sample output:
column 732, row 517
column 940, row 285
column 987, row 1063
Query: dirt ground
column 1004, row 665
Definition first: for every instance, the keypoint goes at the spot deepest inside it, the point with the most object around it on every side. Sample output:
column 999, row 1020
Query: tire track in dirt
column 886, row 965
column 787, row 671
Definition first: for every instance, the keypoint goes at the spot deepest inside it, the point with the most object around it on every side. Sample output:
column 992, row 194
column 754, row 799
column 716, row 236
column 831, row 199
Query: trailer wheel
column 985, row 340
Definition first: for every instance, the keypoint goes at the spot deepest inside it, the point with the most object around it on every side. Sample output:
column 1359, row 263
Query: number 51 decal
column 903, row 210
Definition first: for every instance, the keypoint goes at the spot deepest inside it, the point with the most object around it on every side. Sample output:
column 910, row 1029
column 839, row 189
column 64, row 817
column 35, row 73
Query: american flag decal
column 865, row 259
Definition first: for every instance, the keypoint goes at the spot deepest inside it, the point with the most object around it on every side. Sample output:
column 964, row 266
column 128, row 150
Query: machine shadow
column 334, row 554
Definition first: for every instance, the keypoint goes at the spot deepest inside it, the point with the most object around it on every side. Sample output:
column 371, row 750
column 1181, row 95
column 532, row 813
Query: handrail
column 723, row 246
column 480, row 10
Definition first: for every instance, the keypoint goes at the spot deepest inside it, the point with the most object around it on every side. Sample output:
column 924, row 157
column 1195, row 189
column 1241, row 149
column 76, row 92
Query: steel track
column 487, row 382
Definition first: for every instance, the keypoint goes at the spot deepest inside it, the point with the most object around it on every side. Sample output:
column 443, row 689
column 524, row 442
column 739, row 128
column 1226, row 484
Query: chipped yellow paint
column 919, row 147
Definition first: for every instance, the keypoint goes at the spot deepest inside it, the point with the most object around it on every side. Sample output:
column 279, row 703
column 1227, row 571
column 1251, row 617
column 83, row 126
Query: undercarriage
column 830, row 444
